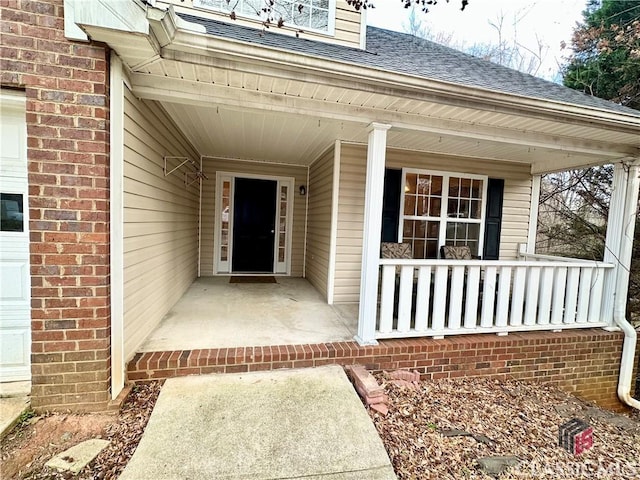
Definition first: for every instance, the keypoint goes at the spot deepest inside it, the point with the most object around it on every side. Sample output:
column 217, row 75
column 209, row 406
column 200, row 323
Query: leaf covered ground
column 508, row 418
column 27, row 448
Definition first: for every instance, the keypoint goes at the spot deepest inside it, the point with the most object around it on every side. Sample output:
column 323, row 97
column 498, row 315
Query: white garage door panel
column 14, row 288
column 15, row 347
column 15, row 280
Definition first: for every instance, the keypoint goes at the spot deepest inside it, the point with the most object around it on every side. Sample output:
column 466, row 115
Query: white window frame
column 221, row 267
column 331, row 20
column 443, row 219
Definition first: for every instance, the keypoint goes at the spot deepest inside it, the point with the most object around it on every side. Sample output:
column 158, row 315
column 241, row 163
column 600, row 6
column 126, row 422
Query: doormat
column 253, row 279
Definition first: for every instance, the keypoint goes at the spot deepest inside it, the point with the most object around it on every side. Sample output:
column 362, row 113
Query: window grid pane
column 422, row 195
column 423, row 237
column 282, row 224
column 224, row 224
column 302, row 13
column 460, row 234
column 424, row 222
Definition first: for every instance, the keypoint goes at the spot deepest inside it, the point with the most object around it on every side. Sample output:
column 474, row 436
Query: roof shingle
column 406, row 54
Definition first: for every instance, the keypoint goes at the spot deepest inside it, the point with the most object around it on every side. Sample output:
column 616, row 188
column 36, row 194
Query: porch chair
column 396, row 250
column 458, row 252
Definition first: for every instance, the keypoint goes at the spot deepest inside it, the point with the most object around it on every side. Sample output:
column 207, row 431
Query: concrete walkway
column 14, row 399
column 283, row 424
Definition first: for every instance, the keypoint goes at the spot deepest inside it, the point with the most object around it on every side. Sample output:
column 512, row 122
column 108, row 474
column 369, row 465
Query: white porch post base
column 612, row 329
column 376, row 155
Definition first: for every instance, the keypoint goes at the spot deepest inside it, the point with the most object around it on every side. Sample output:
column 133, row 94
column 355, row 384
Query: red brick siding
column 583, row 362
column 66, row 85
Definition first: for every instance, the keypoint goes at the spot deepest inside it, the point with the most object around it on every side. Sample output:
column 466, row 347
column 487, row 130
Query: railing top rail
column 554, row 258
column 492, row 263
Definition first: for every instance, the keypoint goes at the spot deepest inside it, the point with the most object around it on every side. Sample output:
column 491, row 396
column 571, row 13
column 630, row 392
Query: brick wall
column 66, row 85
column 583, row 362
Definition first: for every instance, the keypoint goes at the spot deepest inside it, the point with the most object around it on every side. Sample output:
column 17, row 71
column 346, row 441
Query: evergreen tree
column 606, row 52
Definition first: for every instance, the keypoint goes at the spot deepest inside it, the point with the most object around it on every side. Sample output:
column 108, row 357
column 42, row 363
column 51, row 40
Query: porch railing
column 451, row 297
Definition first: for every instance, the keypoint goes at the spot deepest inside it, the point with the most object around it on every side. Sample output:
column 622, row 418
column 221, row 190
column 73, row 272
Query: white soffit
column 219, row 131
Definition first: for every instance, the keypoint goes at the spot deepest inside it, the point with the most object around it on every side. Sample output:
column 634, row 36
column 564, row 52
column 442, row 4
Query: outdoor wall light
column 303, row 190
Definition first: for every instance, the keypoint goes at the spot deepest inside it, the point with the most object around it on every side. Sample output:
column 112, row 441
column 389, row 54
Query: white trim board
column 116, row 229
column 333, row 246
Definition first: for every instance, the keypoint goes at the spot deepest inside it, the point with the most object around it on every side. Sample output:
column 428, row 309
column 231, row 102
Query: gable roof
column 406, row 54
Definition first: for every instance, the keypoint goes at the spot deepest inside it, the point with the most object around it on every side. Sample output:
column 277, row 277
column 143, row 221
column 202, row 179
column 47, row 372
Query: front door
column 15, row 280
column 254, row 225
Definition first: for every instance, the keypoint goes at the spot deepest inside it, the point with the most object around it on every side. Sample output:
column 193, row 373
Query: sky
column 550, row 20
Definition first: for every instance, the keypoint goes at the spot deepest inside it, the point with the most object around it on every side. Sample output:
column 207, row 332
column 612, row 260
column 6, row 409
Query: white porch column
column 612, row 240
column 533, row 214
column 628, row 220
column 376, row 154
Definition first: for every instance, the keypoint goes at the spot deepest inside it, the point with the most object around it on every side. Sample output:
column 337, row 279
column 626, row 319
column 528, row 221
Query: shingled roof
column 403, row 53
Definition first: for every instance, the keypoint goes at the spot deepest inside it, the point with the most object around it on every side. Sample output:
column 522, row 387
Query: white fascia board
column 165, row 23
column 71, row 30
column 122, row 15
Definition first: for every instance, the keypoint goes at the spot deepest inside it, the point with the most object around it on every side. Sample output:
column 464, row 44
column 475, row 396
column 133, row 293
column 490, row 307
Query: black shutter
column 493, row 219
column 391, row 204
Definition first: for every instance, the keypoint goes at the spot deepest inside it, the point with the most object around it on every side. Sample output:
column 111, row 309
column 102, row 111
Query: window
column 11, row 212
column 315, row 15
column 442, row 209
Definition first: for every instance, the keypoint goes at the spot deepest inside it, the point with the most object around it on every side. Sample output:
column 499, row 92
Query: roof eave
column 210, row 45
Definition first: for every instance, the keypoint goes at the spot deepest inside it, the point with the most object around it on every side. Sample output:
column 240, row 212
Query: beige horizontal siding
column 515, row 218
column 213, row 165
column 319, row 221
column 348, row 25
column 160, row 220
column 347, row 22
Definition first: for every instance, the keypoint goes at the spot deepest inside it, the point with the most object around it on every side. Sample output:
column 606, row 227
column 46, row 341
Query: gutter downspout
column 622, row 285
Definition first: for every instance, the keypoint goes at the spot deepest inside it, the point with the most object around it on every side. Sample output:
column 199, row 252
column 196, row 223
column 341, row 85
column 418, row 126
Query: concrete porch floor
column 214, row 313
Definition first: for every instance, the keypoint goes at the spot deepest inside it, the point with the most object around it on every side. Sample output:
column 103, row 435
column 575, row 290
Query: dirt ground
column 27, row 448
column 439, row 429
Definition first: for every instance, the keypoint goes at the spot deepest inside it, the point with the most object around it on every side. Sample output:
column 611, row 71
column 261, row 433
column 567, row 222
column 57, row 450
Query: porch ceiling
column 219, row 130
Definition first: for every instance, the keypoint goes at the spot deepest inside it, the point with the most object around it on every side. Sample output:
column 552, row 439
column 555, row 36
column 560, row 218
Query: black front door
column 254, row 217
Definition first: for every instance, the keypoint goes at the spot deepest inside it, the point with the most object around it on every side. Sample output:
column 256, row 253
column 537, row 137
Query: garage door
column 15, row 284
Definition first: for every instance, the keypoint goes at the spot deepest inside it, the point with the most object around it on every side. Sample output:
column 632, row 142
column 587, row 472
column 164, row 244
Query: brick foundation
column 66, row 87
column 582, row 362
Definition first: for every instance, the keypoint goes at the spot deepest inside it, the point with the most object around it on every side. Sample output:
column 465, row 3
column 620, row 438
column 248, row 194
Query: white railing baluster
column 404, row 299
column 595, row 295
column 559, row 287
column 387, row 298
column 517, row 299
column 439, row 298
column 456, row 288
column 571, row 300
column 504, row 291
column 473, row 289
column 531, row 301
column 546, row 295
column 582, row 314
column 423, row 294
column 488, row 297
